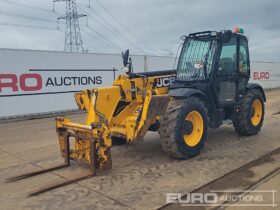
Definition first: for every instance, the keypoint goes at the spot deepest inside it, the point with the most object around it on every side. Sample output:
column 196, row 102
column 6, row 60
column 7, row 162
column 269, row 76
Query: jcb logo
column 164, row 81
column 25, row 82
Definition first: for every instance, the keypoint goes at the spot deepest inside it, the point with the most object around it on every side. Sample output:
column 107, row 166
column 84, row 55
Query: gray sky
column 144, row 26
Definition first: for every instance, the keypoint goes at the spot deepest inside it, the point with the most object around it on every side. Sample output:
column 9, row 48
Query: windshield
column 196, row 59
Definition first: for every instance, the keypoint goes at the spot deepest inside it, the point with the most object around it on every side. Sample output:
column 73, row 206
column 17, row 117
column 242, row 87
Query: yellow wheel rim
column 194, row 137
column 257, row 112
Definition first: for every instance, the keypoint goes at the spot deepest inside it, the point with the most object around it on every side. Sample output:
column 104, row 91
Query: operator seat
column 226, row 66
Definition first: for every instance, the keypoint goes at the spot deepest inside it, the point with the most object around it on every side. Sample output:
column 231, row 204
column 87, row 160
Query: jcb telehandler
column 210, row 85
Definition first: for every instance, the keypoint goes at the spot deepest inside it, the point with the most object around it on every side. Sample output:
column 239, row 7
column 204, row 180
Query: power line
column 111, row 44
column 100, row 36
column 111, row 28
column 105, row 40
column 26, row 6
column 25, row 16
column 73, row 38
column 105, row 26
column 100, row 40
column 120, row 23
column 96, row 37
column 92, row 48
column 116, row 30
column 27, row 26
column 114, row 18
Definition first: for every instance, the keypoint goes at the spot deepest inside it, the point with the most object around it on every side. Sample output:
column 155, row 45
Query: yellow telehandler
column 210, row 85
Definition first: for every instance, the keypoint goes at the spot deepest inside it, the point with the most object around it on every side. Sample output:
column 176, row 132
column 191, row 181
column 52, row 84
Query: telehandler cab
column 210, row 85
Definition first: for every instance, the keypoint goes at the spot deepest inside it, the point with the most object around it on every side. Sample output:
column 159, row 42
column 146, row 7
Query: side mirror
column 227, row 36
column 125, row 56
column 127, row 62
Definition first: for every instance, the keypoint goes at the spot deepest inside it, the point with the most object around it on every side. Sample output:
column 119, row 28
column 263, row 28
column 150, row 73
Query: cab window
column 243, row 57
column 227, row 62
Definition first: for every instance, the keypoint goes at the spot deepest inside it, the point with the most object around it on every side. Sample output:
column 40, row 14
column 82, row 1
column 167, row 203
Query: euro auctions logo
column 261, row 75
column 21, row 82
column 30, row 82
column 224, row 198
column 192, row 198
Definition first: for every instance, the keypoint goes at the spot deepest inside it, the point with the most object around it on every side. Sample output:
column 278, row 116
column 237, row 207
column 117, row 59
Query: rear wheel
column 249, row 118
column 183, row 128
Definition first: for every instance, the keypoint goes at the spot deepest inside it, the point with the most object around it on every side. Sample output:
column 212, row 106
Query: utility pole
column 73, row 39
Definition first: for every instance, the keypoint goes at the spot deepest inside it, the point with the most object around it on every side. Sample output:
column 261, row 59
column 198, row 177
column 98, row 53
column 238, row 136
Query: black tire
column 242, row 121
column 118, row 140
column 172, row 127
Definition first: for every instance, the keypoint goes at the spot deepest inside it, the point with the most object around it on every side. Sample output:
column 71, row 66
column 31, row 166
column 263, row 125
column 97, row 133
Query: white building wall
column 267, row 74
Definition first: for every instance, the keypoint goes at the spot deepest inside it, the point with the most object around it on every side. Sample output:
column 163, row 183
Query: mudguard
column 251, row 86
column 187, row 92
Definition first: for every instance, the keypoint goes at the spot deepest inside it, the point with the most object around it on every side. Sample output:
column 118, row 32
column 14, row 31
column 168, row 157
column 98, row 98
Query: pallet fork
column 67, row 158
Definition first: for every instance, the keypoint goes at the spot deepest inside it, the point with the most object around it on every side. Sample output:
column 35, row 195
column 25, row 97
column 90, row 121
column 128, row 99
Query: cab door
column 226, row 74
column 243, row 65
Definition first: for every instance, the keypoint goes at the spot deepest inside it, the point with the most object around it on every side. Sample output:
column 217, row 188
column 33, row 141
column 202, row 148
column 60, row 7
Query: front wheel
column 183, row 128
column 249, row 118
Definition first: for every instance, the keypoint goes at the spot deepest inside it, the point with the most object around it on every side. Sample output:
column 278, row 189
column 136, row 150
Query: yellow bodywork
column 126, row 110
